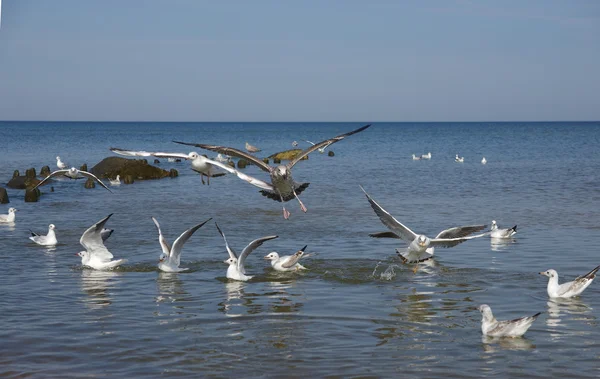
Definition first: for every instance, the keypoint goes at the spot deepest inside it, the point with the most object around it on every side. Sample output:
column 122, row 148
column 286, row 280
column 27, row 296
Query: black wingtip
column 514, row 228
column 304, row 248
column 536, row 315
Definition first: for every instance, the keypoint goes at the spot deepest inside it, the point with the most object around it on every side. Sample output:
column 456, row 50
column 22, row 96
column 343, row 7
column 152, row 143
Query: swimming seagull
column 501, row 233
column 199, row 163
column 513, row 328
column 282, row 188
column 170, row 258
column 426, row 156
column 287, row 262
column 116, row 181
column 47, row 240
column 321, row 149
column 60, row 164
column 96, row 255
column 222, row 158
column 236, row 269
column 420, row 248
column 569, row 289
column 72, row 173
column 252, row 149
column 415, row 158
column 8, row 218
column 483, row 160
column 295, row 143
column 459, row 159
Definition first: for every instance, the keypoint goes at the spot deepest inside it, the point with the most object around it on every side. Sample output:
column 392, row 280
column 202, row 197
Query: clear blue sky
column 321, row 60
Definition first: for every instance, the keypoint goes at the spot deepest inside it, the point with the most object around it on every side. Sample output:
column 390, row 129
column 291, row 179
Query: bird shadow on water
column 493, row 344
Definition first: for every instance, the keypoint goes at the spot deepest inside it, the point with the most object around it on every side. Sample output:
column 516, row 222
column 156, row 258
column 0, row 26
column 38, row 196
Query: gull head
column 193, row 155
column 486, row 311
column 230, row 261
column 83, row 254
column 118, row 177
column 281, row 172
column 162, row 257
column 73, row 171
column 423, row 241
column 272, row 256
column 58, row 158
column 494, row 225
column 12, row 210
column 51, row 227
column 549, row 273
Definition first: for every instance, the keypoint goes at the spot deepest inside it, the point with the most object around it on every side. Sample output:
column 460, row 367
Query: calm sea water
column 357, row 311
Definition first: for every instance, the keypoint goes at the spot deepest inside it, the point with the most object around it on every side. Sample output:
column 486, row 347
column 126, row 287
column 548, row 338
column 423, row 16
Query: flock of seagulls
column 282, row 188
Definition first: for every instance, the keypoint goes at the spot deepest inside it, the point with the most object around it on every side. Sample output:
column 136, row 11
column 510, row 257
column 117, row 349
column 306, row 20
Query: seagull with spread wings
column 170, row 259
column 287, row 262
column 421, row 247
column 282, row 188
column 96, row 255
column 73, row 173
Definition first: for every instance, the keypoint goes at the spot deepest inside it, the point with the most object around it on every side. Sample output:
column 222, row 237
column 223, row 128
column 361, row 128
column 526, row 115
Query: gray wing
column 384, row 235
column 91, row 240
column 131, row 153
column 250, row 179
column 54, row 174
column 164, row 245
column 505, row 327
column 105, row 233
column 323, row 144
column 450, row 242
column 179, row 242
column 231, row 252
column 293, row 259
column 92, row 176
column 388, row 220
column 233, row 152
column 460, row 231
column 250, row 248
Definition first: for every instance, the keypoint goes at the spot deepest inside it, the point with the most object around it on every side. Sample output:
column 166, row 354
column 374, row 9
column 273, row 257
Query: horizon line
column 292, row 122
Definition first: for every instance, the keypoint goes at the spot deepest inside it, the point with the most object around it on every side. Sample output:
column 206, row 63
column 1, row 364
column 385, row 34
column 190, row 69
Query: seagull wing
column 250, row 248
column 179, row 242
column 54, row 174
column 93, row 177
column 250, row 179
column 384, row 235
column 166, row 248
column 293, row 259
column 460, row 231
column 324, row 144
column 91, row 240
column 450, row 242
column 105, row 233
column 131, row 153
column 231, row 252
column 231, row 151
column 388, row 220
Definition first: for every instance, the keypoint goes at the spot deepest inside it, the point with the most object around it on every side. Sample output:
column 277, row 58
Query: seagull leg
column 202, row 177
column 208, row 180
column 416, row 268
column 300, row 201
column 286, row 213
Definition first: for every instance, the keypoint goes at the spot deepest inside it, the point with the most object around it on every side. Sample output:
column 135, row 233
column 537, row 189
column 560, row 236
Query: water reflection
column 97, row 284
column 10, row 226
column 559, row 308
column 500, row 244
column 493, row 344
column 415, row 307
column 233, row 305
column 170, row 287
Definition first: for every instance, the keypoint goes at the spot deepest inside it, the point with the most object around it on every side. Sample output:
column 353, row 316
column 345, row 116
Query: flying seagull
column 569, row 289
column 282, row 188
column 72, row 173
column 512, row 328
column 495, row 232
column 287, row 262
column 47, row 240
column 236, row 269
column 421, row 247
column 96, row 255
column 170, row 258
column 321, row 149
column 199, row 163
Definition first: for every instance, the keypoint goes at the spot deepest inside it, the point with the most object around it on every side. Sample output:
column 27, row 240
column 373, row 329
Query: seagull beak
column 76, row 254
column 542, row 273
column 422, row 244
column 266, row 257
column 225, row 261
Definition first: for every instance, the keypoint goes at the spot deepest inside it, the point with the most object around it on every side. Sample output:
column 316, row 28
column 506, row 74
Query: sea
column 357, row 311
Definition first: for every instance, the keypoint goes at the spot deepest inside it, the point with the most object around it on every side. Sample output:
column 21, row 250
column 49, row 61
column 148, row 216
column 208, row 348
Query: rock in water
column 45, row 171
column 287, row 155
column 90, row 183
column 156, row 161
column 330, row 153
column 136, row 168
column 276, row 160
column 231, row 163
column 173, row 173
column 16, row 173
column 3, row 196
column 30, row 173
column 23, row 182
column 128, row 179
column 266, row 160
column 83, row 167
column 32, row 195
column 242, row 163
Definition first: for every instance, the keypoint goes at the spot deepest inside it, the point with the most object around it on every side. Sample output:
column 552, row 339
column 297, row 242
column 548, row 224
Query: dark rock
column 22, row 182
column 51, row 189
column 156, row 161
column 231, row 163
column 242, row 163
column 178, row 160
column 276, row 160
column 84, row 168
column 287, row 155
column 266, row 160
column 45, row 171
column 30, row 173
column 330, row 153
column 128, row 179
column 90, row 183
column 32, row 195
column 16, row 173
column 3, row 196
column 173, row 173
column 136, row 168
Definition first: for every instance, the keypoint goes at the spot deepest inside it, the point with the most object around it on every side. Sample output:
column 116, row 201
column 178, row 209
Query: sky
column 310, row 60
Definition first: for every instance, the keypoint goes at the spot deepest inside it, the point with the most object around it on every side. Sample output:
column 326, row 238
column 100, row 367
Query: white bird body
column 72, row 173
column 569, row 289
column 415, row 158
column 483, row 160
column 295, row 143
column 237, row 269
column 170, row 259
column 426, row 156
column 222, row 158
column 459, row 159
column 512, row 328
column 96, row 255
column 47, row 240
column 10, row 217
column 496, row 232
column 116, row 181
column 252, row 149
column 60, row 164
column 287, row 262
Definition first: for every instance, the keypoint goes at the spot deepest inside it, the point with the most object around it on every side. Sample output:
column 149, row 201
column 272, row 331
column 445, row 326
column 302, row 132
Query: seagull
column 236, row 269
column 287, row 262
column 60, row 164
column 321, row 149
column 105, row 233
column 295, row 143
column 501, row 233
column 512, row 328
column 426, row 156
column 569, row 289
column 483, row 160
column 96, row 255
column 199, row 163
column 459, row 159
column 282, row 188
column 116, row 181
column 420, row 248
column 72, row 173
column 170, row 258
column 47, row 240
column 252, row 149
column 222, row 158
column 415, row 158
column 10, row 217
